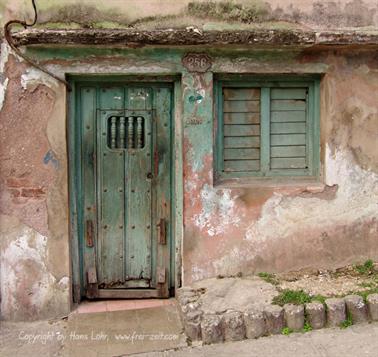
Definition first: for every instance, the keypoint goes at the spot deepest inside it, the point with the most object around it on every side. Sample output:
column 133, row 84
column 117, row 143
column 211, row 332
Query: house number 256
column 197, row 62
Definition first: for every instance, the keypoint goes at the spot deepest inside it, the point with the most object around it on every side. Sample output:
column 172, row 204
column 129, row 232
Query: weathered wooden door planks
column 126, row 181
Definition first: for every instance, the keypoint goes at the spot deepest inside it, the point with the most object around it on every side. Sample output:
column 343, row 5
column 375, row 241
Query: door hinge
column 162, row 231
column 89, row 233
column 92, row 286
column 92, row 275
column 160, row 272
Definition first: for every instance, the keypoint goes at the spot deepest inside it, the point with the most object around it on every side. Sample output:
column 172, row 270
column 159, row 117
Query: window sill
column 310, row 184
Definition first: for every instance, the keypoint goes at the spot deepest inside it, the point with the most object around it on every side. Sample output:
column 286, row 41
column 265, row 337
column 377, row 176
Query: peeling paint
column 50, row 157
column 3, row 89
column 219, row 203
column 28, row 287
column 280, row 214
column 226, row 229
column 34, row 76
column 283, row 216
column 5, row 51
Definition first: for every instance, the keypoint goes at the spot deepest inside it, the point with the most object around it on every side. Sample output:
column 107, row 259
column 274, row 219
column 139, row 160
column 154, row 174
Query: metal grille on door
column 126, row 132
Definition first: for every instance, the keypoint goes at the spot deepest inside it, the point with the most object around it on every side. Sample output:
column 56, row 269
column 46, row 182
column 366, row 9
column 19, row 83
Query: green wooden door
column 126, row 158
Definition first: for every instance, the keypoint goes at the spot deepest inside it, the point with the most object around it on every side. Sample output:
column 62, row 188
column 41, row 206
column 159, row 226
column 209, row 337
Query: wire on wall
column 8, row 37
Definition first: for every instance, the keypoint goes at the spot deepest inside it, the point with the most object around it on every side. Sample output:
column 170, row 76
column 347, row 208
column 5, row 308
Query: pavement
column 153, row 329
column 355, row 341
column 98, row 329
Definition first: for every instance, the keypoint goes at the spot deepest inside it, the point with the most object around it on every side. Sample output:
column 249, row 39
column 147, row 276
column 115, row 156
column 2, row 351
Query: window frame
column 312, row 82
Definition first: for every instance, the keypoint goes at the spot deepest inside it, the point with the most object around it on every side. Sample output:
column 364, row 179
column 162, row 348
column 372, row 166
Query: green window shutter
column 268, row 128
column 288, row 129
column 241, row 130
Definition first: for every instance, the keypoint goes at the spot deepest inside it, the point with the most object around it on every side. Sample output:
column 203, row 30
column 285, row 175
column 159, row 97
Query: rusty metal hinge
column 162, row 231
column 160, row 275
column 92, row 275
column 92, row 286
column 89, row 233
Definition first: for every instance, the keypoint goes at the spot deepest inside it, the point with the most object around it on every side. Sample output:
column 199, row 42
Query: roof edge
column 192, row 37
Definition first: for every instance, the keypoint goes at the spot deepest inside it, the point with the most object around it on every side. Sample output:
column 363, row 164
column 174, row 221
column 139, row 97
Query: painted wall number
column 197, row 62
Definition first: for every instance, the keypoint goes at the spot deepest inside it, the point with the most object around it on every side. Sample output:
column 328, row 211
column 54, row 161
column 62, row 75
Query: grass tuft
column 296, row 297
column 269, row 278
column 307, row 327
column 287, row 331
column 348, row 322
column 366, row 268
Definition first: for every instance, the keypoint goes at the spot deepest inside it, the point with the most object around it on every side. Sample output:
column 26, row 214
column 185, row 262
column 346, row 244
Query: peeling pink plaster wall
column 34, row 259
column 226, row 230
column 252, row 229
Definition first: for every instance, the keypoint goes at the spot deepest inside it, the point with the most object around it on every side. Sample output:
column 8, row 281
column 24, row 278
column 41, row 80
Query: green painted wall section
column 197, row 99
column 173, row 55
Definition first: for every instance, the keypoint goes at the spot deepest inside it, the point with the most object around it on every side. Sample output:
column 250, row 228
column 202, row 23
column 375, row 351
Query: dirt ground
column 331, row 283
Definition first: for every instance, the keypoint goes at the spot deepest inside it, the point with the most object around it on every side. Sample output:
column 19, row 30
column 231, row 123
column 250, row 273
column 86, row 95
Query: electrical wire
column 8, row 37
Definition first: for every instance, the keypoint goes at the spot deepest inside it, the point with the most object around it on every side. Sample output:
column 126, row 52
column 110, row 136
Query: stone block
column 294, row 316
column 185, row 299
column 186, row 295
column 356, row 308
column 191, row 307
column 274, row 319
column 372, row 303
column 193, row 330
column 192, row 324
column 211, row 327
column 336, row 312
column 254, row 322
column 315, row 315
column 233, row 326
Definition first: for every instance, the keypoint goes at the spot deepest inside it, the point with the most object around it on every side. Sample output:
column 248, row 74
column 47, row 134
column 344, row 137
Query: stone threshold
column 95, row 306
column 255, row 322
column 192, row 36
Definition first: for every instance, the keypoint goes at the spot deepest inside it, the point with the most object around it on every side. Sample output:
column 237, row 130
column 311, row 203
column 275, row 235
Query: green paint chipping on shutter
column 241, row 108
column 268, row 129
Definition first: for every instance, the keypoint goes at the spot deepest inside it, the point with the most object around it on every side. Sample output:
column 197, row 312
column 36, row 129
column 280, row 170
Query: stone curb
column 270, row 319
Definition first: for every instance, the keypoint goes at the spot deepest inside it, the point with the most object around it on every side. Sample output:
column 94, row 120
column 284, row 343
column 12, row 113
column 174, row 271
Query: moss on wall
column 151, row 14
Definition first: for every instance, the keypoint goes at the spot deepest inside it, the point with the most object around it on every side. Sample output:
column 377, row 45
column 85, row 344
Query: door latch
column 89, row 233
column 162, row 231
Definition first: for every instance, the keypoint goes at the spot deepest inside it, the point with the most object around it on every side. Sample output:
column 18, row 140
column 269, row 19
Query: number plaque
column 197, row 62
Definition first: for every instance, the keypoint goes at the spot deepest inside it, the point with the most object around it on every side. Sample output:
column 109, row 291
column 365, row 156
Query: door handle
column 162, row 231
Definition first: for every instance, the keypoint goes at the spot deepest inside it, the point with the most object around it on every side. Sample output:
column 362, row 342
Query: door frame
column 74, row 175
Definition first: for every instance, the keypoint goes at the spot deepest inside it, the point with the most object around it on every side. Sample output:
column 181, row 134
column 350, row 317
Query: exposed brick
column 14, row 192
column 32, row 192
column 18, row 182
